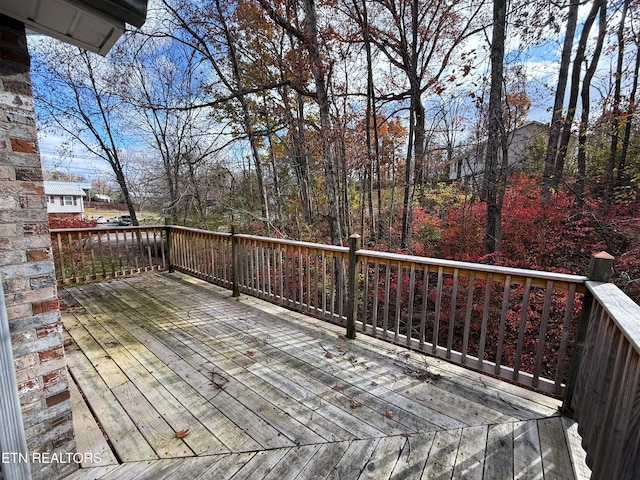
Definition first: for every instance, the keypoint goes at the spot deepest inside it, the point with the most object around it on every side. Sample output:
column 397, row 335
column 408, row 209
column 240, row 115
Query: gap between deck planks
column 158, row 339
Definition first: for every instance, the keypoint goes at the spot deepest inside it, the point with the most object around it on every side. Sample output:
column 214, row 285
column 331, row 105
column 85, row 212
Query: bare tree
column 76, row 95
column 496, row 134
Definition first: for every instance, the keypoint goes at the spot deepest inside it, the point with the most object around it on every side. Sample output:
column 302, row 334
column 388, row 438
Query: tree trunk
column 495, row 140
column 573, row 94
column 558, row 104
column 617, row 95
column 247, row 122
column 630, row 117
column 585, row 97
column 414, row 113
column 331, row 175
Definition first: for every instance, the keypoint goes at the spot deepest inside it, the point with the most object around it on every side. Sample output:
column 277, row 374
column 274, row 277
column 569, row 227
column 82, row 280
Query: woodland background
column 315, row 119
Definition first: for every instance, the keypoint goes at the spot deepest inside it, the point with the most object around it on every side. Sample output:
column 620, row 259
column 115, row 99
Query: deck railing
column 520, row 325
column 604, row 396
column 89, row 254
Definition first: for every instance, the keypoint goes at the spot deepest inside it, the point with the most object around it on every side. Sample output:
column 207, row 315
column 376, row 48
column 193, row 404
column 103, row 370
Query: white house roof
column 63, row 188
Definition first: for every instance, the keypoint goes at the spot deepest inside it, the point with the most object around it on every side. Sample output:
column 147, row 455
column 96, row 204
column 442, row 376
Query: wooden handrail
column 606, row 400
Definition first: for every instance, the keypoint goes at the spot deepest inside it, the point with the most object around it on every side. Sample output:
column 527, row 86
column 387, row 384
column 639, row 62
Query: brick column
column 26, row 268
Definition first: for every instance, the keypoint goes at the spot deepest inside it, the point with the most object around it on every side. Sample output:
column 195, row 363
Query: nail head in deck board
column 89, row 437
column 127, row 441
column 153, row 427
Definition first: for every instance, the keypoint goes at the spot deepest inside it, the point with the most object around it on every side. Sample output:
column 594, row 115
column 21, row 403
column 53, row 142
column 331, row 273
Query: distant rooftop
column 65, row 188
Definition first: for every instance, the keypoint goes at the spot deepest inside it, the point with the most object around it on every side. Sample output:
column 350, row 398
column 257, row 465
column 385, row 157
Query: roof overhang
column 94, row 25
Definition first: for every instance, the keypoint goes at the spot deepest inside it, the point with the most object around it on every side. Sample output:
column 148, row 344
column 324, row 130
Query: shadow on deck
column 182, row 381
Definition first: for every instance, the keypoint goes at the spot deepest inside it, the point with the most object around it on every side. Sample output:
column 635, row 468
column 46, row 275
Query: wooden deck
column 182, row 381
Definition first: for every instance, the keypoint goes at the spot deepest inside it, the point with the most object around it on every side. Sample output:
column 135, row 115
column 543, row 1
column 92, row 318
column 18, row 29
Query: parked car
column 98, row 219
column 122, row 220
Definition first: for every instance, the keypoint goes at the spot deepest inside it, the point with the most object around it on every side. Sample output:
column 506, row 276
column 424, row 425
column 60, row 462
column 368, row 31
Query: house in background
column 520, row 140
column 65, row 199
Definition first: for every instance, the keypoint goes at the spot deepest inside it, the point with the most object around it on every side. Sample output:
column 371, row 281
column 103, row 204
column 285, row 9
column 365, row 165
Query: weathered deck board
column 128, row 442
column 268, row 393
column 88, row 433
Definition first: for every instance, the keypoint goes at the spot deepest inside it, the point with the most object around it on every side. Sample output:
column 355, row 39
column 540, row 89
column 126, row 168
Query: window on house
column 68, row 200
column 52, row 199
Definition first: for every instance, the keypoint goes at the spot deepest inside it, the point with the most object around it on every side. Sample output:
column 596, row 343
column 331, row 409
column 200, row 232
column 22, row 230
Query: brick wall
column 26, row 266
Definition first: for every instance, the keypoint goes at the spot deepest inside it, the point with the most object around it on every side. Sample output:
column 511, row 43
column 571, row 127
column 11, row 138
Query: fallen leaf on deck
column 228, row 361
column 355, row 403
column 329, row 355
column 388, row 414
column 251, row 353
column 182, row 433
column 255, row 339
column 342, row 349
column 336, row 388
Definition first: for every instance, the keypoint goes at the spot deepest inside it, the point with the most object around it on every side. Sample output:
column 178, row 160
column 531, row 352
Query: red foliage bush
column 554, row 236
column 70, row 222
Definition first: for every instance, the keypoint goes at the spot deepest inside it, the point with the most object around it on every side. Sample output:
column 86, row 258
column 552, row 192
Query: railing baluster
column 503, row 320
column 398, row 319
column 425, row 305
column 522, row 329
column 387, row 299
column 436, row 320
column 452, row 312
column 412, row 284
column 365, row 297
column 467, row 317
column 544, row 320
column 376, row 294
column 485, row 320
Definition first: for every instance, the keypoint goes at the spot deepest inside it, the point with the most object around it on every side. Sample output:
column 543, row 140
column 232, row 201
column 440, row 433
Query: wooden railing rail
column 605, row 399
column 308, row 277
column 512, row 323
column 202, row 254
column 89, row 254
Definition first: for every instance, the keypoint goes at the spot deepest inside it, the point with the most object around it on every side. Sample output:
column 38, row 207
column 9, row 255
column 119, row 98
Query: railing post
column 167, row 224
column 355, row 243
column 235, row 263
column 599, row 271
